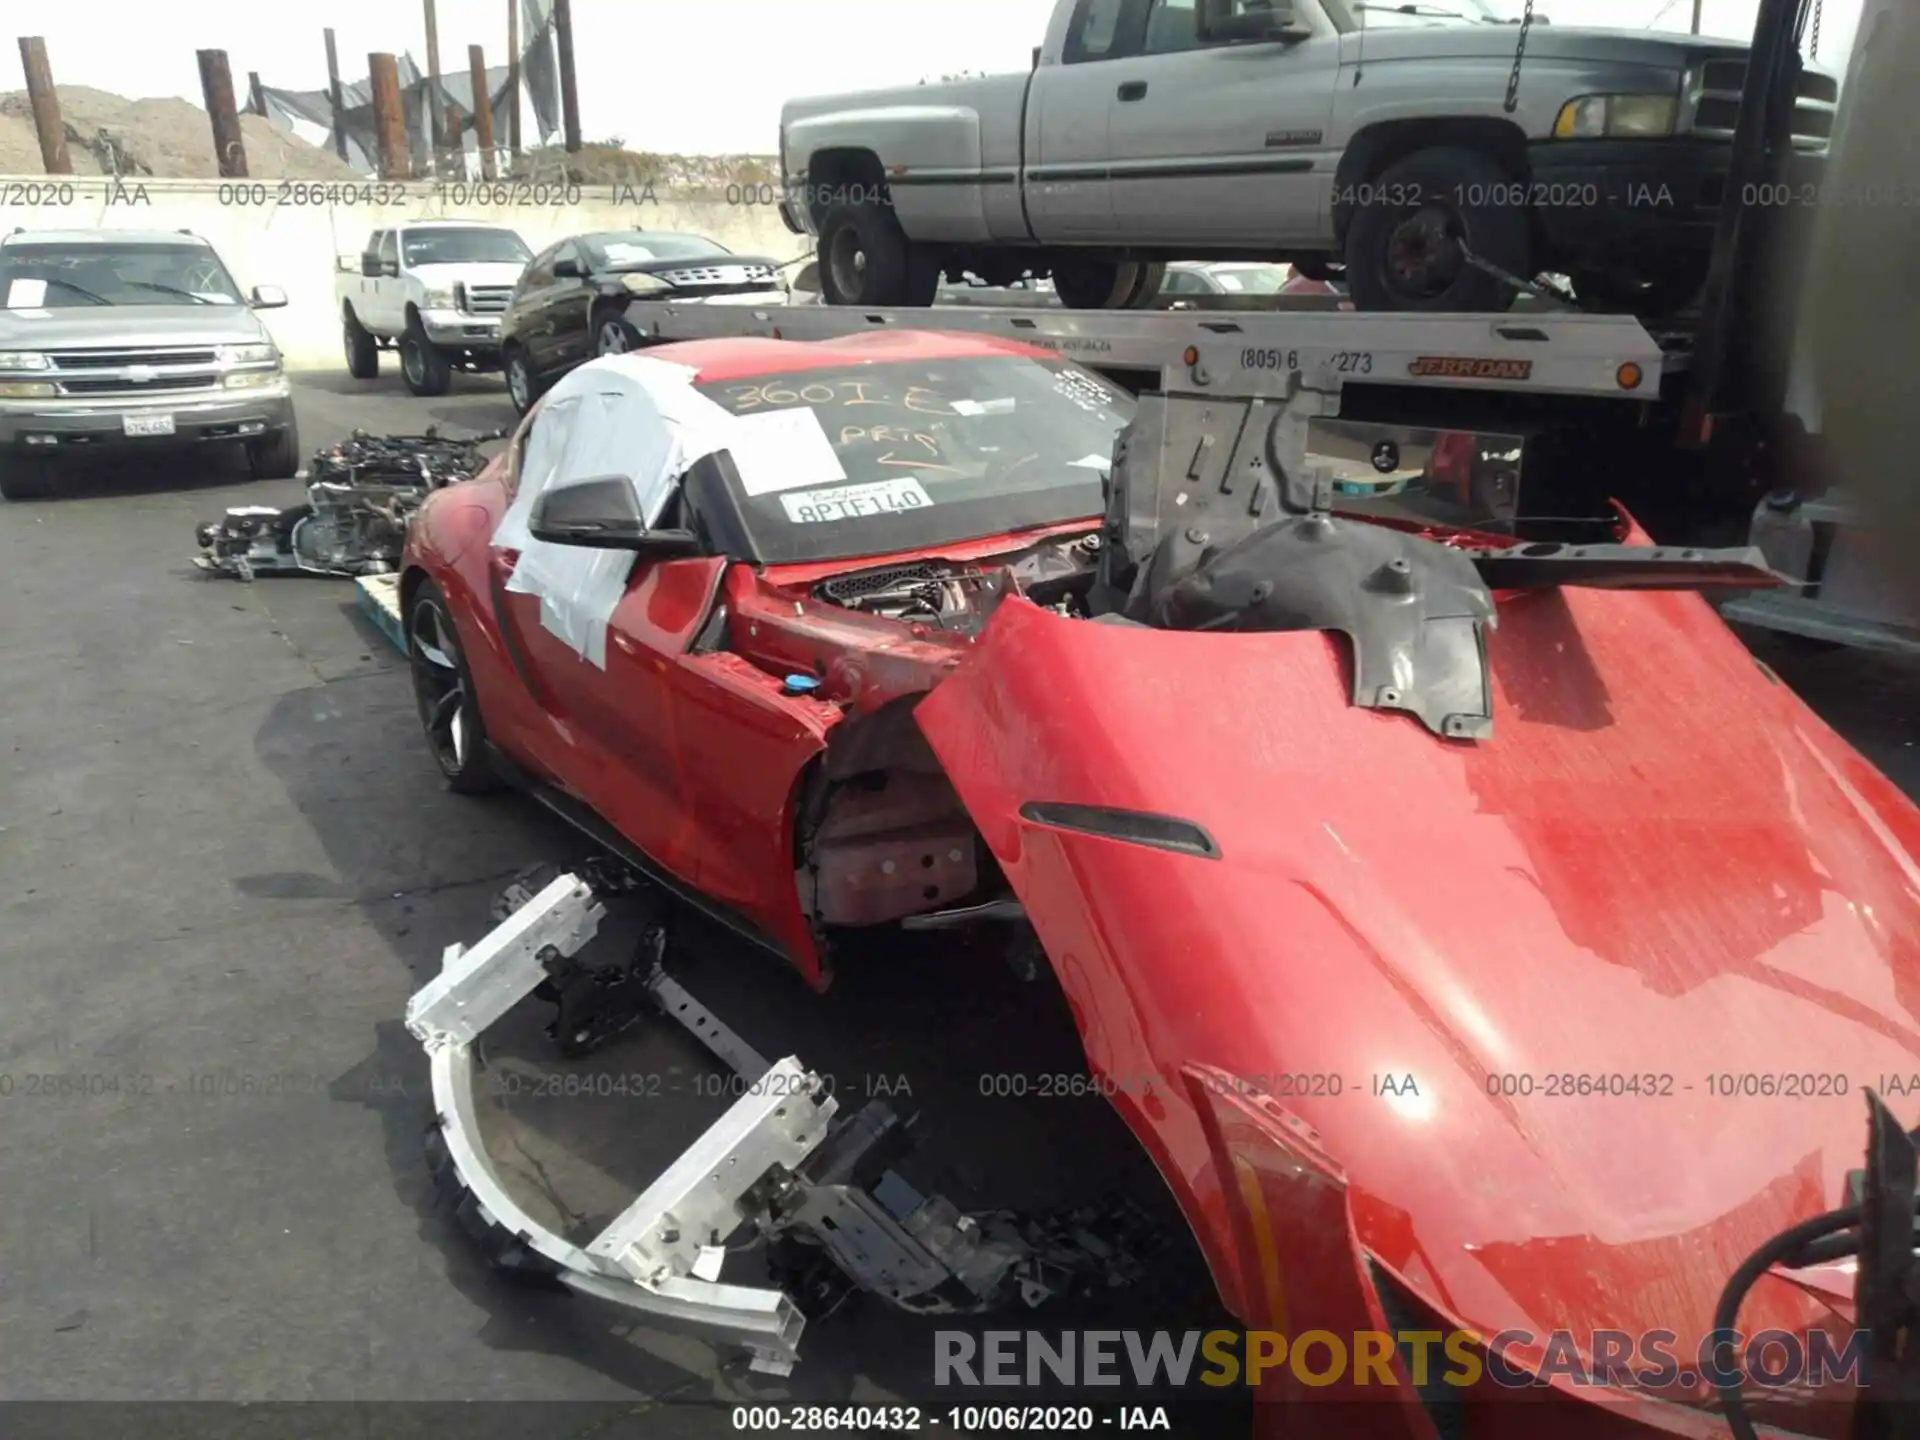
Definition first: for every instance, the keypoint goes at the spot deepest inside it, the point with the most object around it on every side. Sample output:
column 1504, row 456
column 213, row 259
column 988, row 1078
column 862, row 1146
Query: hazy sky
column 686, row 79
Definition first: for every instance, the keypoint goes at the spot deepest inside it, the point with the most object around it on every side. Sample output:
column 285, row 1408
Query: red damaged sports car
column 1474, row 944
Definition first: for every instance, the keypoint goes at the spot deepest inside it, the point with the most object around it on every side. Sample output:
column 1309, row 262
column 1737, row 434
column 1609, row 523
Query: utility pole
column 389, row 120
column 337, row 98
column 513, row 78
column 482, row 110
column 216, row 87
column 45, row 100
column 1696, row 15
column 569, row 92
column 434, row 122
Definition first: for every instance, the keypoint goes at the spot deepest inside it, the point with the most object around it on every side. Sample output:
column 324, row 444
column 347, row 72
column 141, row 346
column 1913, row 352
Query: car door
column 1224, row 143
column 571, row 308
column 527, row 319
column 595, row 632
column 1068, row 113
column 390, row 303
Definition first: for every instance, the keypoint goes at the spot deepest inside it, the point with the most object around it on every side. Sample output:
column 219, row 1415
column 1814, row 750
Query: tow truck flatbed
column 1544, row 353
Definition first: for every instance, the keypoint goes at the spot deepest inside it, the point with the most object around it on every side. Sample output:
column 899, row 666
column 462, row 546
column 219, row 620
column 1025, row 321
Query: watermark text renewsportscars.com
column 1150, row 1359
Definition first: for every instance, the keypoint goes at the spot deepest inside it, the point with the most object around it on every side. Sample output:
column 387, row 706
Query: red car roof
column 746, row 357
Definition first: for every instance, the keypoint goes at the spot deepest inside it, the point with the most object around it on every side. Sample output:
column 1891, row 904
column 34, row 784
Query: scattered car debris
column 818, row 1186
column 361, row 496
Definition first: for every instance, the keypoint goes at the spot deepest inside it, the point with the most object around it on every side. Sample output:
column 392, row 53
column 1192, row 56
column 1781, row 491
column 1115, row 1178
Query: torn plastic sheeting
column 621, row 415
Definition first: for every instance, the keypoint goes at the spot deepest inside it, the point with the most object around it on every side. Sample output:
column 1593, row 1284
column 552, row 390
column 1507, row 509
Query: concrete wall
column 293, row 238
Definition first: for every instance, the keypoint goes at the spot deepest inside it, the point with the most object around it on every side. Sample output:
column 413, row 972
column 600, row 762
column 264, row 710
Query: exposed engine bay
column 960, row 599
column 361, row 496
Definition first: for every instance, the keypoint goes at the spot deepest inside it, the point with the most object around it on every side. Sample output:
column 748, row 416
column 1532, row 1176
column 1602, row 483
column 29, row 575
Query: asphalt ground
column 226, row 861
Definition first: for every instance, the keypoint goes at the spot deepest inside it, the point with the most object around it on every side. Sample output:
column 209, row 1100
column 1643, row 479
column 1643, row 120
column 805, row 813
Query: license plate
column 147, row 424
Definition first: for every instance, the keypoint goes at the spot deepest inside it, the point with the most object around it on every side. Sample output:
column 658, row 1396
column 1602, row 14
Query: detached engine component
column 781, row 1161
column 361, row 496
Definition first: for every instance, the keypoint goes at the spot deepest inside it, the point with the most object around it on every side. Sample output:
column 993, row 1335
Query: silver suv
column 134, row 341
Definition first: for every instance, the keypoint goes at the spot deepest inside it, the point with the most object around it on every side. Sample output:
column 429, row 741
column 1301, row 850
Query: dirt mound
column 611, row 165
column 170, row 139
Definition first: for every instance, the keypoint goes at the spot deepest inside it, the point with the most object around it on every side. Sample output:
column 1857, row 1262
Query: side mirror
column 602, row 514
column 1219, row 23
column 369, row 262
column 566, row 269
column 268, row 297
column 390, row 269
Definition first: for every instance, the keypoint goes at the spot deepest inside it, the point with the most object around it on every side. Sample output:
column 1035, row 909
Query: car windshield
column 615, row 249
column 457, row 246
column 34, row 277
column 876, row 458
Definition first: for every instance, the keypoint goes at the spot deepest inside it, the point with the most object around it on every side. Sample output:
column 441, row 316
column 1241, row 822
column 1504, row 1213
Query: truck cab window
column 1094, row 30
column 389, row 249
column 1171, row 28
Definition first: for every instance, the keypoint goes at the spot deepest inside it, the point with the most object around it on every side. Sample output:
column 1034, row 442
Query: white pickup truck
column 1362, row 134
column 433, row 289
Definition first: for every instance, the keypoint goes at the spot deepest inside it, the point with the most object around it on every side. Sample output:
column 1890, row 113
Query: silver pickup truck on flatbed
column 1326, row 133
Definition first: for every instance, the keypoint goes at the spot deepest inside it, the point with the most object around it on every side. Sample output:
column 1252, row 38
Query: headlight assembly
column 22, row 360
column 1616, row 117
column 231, row 355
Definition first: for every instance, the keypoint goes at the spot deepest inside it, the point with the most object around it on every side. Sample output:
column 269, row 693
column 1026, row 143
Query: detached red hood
column 1662, row 865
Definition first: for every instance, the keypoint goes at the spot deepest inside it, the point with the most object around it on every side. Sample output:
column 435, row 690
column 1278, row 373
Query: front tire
column 362, row 350
column 276, row 456
column 612, row 335
column 867, row 259
column 444, row 693
column 522, row 389
column 422, row 366
column 25, row 477
column 1404, row 251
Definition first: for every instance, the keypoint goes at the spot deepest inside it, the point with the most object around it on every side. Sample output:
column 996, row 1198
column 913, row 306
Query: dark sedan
column 571, row 302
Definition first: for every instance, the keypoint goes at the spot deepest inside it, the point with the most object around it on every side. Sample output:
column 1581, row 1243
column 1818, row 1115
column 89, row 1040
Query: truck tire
column 422, row 366
column 1099, row 284
column 1146, row 289
column 1671, row 288
column 1408, row 257
column 867, row 259
column 25, row 477
column 276, row 456
column 363, row 351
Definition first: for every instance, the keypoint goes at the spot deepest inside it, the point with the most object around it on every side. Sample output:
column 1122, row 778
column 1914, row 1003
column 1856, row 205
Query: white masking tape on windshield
column 782, row 450
column 851, row 502
column 983, row 407
column 1092, row 462
column 27, row 294
column 628, row 254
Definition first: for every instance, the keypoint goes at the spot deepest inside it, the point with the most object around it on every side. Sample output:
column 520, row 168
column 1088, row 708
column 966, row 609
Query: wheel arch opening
column 841, row 166
column 1377, row 147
